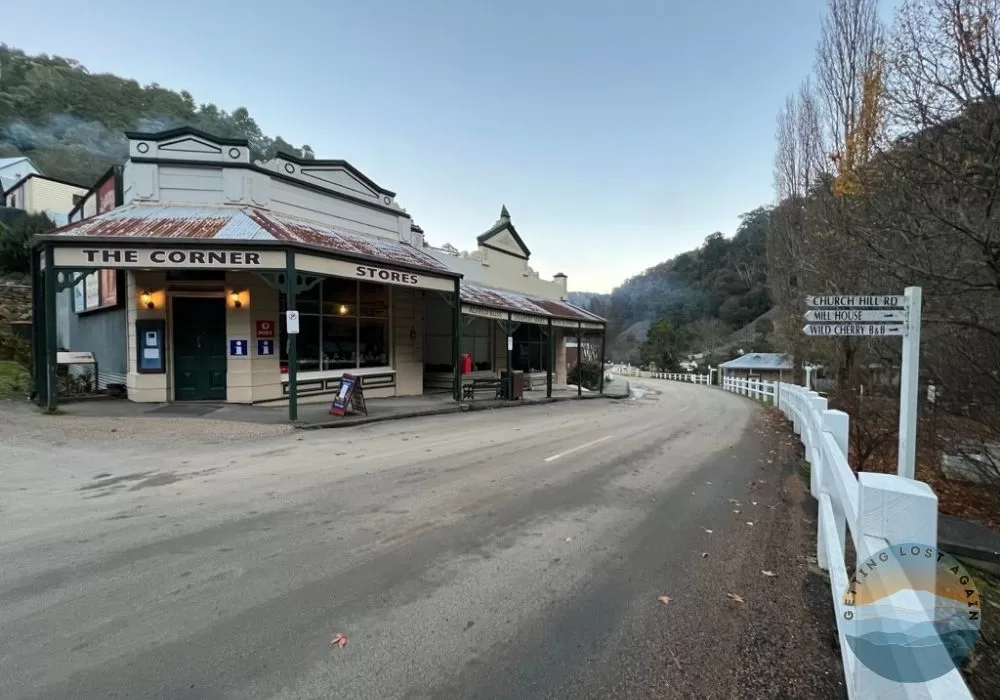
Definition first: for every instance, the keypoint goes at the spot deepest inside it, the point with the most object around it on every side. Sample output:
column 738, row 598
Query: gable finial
column 504, row 214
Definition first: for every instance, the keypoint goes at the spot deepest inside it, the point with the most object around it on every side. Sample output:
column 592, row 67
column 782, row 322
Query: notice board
column 350, row 398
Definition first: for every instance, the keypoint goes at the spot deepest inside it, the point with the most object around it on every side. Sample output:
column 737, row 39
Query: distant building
column 766, row 366
column 40, row 194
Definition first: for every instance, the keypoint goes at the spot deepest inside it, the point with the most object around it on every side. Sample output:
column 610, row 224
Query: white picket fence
column 754, row 388
column 628, row 371
column 877, row 510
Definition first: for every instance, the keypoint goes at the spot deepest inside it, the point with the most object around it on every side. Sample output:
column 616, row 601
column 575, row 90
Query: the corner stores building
column 178, row 267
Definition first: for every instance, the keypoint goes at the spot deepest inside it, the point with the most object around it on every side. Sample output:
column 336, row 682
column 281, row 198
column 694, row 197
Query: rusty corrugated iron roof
column 173, row 221
column 519, row 302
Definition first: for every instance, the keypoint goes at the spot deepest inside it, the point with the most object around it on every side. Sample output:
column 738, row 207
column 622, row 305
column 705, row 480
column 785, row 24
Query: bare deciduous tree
column 847, row 56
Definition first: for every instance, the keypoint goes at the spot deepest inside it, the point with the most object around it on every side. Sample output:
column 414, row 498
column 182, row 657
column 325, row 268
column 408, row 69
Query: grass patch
column 14, row 380
column 806, row 469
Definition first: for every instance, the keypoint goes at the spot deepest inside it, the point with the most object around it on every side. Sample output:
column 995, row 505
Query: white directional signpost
column 885, row 315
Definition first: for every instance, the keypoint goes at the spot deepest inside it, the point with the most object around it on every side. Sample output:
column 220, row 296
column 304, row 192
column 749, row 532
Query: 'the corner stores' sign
column 221, row 258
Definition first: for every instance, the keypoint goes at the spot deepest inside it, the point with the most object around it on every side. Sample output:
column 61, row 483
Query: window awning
column 174, row 226
column 491, row 302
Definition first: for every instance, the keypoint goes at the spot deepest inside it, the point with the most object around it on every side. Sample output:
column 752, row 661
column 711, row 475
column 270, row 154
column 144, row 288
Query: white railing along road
column 628, row 371
column 876, row 510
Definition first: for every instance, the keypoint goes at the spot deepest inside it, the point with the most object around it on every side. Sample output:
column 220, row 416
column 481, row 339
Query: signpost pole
column 510, row 346
column 293, row 359
column 909, row 385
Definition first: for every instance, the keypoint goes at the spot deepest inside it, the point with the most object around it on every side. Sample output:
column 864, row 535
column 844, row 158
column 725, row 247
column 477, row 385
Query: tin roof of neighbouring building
column 760, row 360
column 519, row 302
column 169, row 222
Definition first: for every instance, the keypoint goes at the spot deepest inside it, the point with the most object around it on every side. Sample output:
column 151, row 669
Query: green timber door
column 199, row 331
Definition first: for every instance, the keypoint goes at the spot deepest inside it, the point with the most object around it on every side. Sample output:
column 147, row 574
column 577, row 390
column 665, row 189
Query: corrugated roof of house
column 4, row 162
column 760, row 360
column 235, row 223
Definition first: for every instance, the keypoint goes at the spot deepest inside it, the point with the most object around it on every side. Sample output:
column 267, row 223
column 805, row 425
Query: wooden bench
column 493, row 386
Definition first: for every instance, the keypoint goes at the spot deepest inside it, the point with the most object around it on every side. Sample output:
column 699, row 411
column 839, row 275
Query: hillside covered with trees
column 696, row 300
column 70, row 122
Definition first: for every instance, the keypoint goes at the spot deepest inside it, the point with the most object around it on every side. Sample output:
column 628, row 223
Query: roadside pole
column 603, row 334
column 291, row 334
column 909, row 382
column 579, row 359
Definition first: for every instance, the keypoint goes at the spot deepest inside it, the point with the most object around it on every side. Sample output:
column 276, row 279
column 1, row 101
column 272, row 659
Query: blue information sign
column 238, row 347
column 265, row 348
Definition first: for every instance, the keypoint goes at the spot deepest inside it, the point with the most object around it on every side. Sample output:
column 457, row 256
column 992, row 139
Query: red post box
column 466, row 363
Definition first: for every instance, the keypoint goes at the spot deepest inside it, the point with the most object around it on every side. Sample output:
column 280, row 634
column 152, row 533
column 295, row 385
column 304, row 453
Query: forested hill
column 724, row 282
column 70, row 122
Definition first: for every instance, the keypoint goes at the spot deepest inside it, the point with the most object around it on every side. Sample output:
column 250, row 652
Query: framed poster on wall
column 108, row 287
column 98, row 290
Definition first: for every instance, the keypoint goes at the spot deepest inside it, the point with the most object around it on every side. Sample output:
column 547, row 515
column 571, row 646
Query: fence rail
column 875, row 510
column 754, row 388
column 691, row 377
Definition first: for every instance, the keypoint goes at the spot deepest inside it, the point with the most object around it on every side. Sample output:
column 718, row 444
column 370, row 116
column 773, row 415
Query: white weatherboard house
column 765, row 366
column 23, row 187
column 179, row 266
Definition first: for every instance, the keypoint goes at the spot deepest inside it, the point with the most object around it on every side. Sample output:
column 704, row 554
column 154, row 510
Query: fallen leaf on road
column 704, row 555
column 707, row 530
column 770, row 461
column 768, row 573
column 735, row 511
column 339, row 640
column 568, row 539
column 735, row 597
column 734, row 501
column 753, row 503
column 709, row 483
column 664, row 599
column 750, row 523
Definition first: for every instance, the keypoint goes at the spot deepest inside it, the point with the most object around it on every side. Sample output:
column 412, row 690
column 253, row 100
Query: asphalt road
column 497, row 554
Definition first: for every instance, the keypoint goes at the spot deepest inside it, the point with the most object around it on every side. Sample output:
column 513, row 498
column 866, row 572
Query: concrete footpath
column 317, row 415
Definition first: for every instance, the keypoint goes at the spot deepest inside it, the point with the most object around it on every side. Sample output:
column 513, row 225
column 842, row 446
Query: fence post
column 815, row 407
column 895, row 510
column 837, row 424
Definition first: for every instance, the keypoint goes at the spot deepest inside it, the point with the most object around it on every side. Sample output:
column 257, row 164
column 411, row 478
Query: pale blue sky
column 617, row 133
